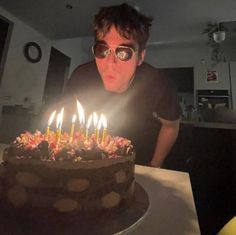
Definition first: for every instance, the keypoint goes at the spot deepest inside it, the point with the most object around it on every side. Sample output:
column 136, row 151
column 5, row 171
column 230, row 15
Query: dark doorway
column 58, row 69
column 5, row 33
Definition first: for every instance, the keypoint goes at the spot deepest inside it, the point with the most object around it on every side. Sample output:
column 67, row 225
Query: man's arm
column 165, row 140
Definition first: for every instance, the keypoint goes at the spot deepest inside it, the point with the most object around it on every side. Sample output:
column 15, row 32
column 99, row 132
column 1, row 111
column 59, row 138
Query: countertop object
column 217, row 125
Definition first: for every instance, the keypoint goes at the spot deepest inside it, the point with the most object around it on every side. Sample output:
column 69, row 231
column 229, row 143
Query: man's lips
column 110, row 77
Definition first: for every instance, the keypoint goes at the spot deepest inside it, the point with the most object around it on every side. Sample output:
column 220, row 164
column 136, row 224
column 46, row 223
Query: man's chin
column 111, row 88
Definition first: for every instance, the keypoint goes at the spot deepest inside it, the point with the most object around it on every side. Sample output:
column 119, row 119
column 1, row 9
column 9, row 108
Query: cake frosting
column 42, row 176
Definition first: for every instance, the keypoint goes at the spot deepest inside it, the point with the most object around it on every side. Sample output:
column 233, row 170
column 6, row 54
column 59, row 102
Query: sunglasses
column 123, row 53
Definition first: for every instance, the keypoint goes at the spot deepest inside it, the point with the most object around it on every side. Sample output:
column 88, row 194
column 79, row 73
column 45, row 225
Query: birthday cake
column 42, row 178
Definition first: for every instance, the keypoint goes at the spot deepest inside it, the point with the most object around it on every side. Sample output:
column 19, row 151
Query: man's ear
column 141, row 57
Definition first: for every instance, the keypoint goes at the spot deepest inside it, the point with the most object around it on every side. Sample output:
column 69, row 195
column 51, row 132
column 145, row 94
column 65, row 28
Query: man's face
column 117, row 75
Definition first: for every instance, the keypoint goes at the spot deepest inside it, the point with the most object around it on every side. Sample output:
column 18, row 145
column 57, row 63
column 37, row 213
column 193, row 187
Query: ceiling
column 174, row 20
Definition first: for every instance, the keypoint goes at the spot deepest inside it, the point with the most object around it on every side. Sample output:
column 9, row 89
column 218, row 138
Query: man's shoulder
column 148, row 71
column 150, row 76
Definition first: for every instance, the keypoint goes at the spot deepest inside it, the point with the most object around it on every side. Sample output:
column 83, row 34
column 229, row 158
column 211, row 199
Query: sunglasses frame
column 114, row 50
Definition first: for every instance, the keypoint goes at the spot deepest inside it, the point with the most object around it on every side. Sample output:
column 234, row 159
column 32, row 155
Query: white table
column 172, row 210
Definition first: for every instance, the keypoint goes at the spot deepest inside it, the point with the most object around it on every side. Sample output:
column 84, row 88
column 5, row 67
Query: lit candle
column 104, row 124
column 95, row 121
column 87, row 127
column 72, row 128
column 81, row 116
column 59, row 125
column 50, row 120
column 98, row 128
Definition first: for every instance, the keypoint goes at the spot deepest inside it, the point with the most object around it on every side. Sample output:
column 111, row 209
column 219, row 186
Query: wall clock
column 32, row 52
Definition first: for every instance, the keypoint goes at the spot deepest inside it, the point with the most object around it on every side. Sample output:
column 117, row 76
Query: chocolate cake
column 44, row 178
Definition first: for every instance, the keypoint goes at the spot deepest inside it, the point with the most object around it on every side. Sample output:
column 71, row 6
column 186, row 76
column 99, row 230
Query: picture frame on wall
column 212, row 76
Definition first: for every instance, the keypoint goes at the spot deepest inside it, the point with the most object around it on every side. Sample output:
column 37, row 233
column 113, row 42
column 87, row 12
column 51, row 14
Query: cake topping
column 35, row 146
column 110, row 200
column 77, row 185
column 66, row 205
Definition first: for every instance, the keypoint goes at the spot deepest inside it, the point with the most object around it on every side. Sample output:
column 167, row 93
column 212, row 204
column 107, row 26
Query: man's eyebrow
column 122, row 44
column 128, row 45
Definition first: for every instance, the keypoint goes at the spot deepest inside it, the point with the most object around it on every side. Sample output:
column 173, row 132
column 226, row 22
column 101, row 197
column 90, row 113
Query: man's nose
column 111, row 58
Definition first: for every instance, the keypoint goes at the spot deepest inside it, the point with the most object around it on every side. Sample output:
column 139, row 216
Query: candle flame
column 51, row 118
column 104, row 124
column 104, row 120
column 95, row 119
column 74, row 118
column 99, row 123
column 80, row 112
column 89, row 121
column 62, row 112
column 60, row 118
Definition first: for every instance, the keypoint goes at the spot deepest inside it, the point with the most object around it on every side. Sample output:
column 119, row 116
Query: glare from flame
column 102, row 122
column 99, row 123
column 89, row 121
column 51, row 118
column 58, row 119
column 95, row 119
column 80, row 113
column 74, row 118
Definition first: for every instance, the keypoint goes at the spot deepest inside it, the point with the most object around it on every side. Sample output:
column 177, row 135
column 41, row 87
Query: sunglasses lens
column 124, row 53
column 100, row 50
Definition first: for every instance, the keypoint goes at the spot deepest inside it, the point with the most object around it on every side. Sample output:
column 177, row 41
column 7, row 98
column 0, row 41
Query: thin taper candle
column 59, row 125
column 72, row 128
column 104, row 124
column 50, row 120
column 87, row 127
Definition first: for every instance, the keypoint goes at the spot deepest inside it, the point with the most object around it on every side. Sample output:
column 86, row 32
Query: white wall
column 187, row 54
column 21, row 78
column 176, row 55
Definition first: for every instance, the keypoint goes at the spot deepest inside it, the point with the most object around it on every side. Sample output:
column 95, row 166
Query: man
column 140, row 102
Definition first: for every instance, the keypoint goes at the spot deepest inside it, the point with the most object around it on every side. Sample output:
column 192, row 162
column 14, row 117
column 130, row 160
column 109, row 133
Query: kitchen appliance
column 213, row 99
column 215, row 106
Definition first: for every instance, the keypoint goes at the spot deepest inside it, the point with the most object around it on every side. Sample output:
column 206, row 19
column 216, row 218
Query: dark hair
column 127, row 20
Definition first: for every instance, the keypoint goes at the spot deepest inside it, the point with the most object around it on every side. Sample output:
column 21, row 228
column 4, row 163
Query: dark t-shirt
column 133, row 113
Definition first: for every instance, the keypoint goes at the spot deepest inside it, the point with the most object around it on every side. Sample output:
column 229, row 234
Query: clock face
column 32, row 52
